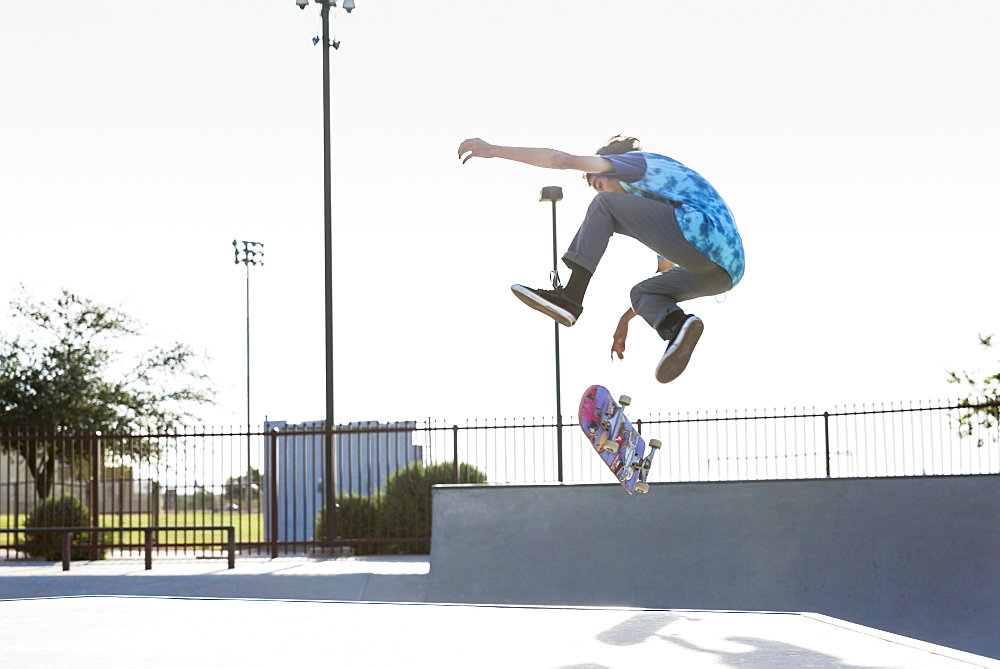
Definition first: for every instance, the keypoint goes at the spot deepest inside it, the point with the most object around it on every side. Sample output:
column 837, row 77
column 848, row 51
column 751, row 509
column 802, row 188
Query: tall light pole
column 553, row 194
column 329, row 472
column 253, row 254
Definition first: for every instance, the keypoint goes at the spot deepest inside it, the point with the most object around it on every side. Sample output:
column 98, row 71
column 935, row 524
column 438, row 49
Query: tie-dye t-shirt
column 701, row 213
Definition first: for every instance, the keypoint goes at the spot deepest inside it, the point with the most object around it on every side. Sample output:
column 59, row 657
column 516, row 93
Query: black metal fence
column 910, row 439
column 268, row 484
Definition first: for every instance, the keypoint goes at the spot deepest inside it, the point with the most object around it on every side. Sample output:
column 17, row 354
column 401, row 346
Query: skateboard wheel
column 611, row 446
column 624, row 400
column 641, row 486
column 655, row 443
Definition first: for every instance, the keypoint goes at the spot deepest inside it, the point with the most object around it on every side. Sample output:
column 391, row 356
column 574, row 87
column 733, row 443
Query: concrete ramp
column 918, row 557
column 172, row 632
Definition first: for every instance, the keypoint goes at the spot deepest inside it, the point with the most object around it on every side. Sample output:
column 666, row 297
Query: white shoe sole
column 675, row 359
column 553, row 311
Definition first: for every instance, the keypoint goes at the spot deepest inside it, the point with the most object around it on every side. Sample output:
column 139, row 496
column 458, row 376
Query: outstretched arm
column 549, row 158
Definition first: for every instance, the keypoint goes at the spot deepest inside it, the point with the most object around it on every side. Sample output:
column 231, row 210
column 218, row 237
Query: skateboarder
column 663, row 204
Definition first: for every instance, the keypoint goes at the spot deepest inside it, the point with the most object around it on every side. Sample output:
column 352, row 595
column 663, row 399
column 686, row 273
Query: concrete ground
column 294, row 610
column 383, row 579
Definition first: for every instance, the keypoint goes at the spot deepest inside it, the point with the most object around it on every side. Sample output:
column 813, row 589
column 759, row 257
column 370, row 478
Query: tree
column 983, row 402
column 62, row 376
column 235, row 490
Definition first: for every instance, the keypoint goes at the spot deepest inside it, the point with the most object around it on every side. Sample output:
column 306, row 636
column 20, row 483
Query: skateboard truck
column 612, row 428
column 644, row 465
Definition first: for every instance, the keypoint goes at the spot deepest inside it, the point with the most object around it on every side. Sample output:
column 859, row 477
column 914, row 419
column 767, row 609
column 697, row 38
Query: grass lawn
column 249, row 527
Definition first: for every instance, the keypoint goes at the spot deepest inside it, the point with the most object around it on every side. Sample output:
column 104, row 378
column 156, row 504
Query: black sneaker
column 682, row 342
column 553, row 303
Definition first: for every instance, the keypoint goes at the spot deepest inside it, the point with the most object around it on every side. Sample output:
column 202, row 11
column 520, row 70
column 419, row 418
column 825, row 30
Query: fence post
column 154, row 502
column 559, row 445
column 272, row 484
column 96, row 464
column 826, row 440
column 454, row 444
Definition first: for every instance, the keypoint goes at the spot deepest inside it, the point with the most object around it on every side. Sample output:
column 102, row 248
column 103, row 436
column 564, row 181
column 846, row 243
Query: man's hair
column 619, row 144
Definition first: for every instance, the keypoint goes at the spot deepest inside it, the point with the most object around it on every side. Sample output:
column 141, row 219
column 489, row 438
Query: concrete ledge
column 918, row 557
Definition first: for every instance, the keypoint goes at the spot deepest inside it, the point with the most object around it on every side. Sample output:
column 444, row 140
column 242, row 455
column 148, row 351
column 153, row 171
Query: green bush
column 406, row 502
column 402, row 510
column 64, row 511
column 358, row 518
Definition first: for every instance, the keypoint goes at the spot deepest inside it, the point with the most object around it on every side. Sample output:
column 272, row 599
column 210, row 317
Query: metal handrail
column 66, row 533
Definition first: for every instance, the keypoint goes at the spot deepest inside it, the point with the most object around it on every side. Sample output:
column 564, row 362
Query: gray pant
column 652, row 223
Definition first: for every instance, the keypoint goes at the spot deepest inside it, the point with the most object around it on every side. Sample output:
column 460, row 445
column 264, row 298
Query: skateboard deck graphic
column 617, row 443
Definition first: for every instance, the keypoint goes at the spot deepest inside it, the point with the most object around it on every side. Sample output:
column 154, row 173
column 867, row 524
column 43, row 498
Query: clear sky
column 855, row 141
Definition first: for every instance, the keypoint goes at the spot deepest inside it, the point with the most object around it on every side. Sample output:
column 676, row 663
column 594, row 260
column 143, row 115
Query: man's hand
column 475, row 148
column 621, row 332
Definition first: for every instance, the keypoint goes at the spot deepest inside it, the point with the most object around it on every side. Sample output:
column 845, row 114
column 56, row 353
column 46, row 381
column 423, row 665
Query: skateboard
column 618, row 444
